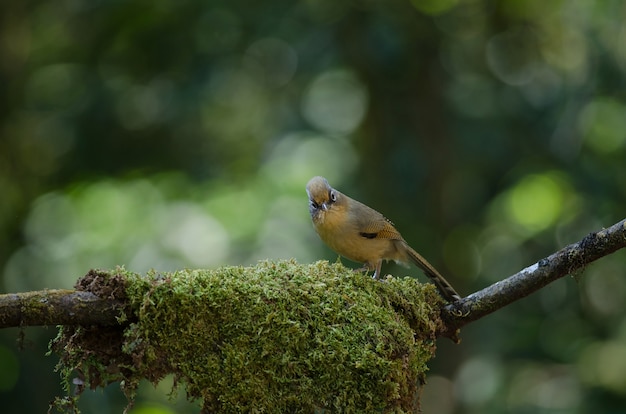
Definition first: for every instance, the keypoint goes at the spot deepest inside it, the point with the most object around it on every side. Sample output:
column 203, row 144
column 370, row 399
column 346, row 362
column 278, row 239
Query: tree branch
column 57, row 307
column 566, row 261
column 68, row 307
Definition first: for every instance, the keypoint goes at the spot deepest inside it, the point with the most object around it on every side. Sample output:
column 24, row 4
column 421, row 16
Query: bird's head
column 322, row 197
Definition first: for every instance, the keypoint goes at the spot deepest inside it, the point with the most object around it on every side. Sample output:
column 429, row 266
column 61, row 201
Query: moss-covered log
column 277, row 337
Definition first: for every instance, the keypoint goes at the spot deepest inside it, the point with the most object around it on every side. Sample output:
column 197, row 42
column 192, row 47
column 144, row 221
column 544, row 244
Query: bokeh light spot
column 605, row 290
column 478, row 380
column 192, row 233
column 544, row 388
column 305, row 154
column 603, row 125
column 603, row 364
column 335, row 102
column 536, row 202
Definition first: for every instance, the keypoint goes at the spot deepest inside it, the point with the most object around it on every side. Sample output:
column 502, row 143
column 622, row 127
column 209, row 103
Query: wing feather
column 373, row 225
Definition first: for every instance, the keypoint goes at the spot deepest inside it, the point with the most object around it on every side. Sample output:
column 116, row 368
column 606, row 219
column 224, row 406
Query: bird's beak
column 324, row 206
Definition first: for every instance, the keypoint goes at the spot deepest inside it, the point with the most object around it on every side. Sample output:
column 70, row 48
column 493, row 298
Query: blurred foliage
column 170, row 134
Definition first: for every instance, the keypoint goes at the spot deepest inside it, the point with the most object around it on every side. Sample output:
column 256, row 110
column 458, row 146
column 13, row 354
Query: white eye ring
column 333, row 196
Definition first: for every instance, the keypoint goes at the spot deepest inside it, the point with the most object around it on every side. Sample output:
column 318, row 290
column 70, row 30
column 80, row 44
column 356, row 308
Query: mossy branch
column 276, row 337
column 271, row 334
column 69, row 307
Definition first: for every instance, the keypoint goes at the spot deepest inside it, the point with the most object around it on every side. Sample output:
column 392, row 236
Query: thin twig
column 566, row 261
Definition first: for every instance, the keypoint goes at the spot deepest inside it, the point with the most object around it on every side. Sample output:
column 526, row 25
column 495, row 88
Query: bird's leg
column 377, row 270
column 368, row 266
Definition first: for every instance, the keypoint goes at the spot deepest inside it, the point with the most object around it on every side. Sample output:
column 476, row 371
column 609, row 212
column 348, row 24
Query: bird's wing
column 380, row 229
column 374, row 225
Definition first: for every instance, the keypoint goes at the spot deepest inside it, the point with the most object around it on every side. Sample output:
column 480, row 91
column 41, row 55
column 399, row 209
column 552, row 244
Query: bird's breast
column 344, row 236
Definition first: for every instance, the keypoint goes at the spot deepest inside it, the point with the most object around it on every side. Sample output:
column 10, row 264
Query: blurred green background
column 171, row 134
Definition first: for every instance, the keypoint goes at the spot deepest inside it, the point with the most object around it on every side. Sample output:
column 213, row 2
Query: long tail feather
column 444, row 287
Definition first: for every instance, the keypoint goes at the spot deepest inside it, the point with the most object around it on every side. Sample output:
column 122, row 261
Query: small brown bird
column 363, row 235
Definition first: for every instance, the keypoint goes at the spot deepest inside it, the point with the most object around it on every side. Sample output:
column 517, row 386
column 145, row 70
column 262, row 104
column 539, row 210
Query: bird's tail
column 445, row 288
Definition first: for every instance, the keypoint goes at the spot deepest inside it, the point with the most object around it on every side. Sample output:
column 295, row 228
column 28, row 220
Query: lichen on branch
column 278, row 336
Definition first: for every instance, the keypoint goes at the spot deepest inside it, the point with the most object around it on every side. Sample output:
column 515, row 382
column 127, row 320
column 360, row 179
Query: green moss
column 277, row 337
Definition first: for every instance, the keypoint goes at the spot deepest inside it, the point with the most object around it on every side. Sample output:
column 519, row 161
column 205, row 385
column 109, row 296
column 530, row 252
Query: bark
column 57, row 307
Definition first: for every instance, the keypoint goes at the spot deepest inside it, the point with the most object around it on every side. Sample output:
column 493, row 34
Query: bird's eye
column 314, row 205
column 333, row 196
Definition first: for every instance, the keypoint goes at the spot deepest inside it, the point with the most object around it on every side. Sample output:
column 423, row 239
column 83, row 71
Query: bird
column 362, row 234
